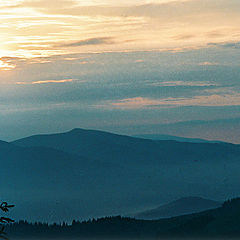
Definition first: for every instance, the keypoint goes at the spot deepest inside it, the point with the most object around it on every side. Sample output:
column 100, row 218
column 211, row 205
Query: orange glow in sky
column 32, row 28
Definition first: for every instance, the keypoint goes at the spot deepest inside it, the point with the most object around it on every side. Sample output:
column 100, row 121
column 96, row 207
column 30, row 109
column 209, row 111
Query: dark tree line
column 4, row 220
column 219, row 223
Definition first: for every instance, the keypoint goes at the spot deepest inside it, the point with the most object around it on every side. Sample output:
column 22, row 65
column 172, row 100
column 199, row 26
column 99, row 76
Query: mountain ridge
column 109, row 145
column 181, row 206
column 164, row 137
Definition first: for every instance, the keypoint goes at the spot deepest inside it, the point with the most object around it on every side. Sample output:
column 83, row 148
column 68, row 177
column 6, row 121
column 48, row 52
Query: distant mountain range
column 113, row 148
column 174, row 138
column 182, row 206
column 92, row 173
column 226, row 130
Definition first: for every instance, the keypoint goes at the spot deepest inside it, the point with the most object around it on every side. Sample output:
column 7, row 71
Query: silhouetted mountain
column 220, row 223
column 179, row 207
column 174, row 138
column 103, row 174
column 118, row 148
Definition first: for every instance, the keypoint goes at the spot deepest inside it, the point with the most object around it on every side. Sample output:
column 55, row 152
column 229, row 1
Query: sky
column 134, row 67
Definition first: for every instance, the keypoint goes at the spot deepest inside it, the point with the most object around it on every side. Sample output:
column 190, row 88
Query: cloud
column 154, row 9
column 234, row 45
column 183, row 83
column 137, row 102
column 10, row 4
column 106, row 8
column 6, row 66
column 217, row 33
column 44, row 28
column 208, row 64
column 184, row 37
column 208, row 101
column 90, row 41
column 46, row 81
column 45, row 4
column 139, row 61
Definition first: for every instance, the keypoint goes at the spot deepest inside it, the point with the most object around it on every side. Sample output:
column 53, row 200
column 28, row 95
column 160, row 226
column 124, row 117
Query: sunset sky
column 123, row 66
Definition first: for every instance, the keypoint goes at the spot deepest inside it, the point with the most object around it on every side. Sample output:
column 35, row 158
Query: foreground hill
column 179, row 207
column 220, row 223
column 91, row 173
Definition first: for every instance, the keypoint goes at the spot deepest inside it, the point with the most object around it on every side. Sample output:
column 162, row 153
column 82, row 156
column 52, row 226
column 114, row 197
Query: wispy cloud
column 5, row 66
column 8, row 4
column 89, row 41
column 184, row 37
column 46, row 82
column 103, row 8
column 183, row 83
column 44, row 4
column 209, row 100
column 234, row 45
column 43, row 28
column 139, row 61
column 208, row 64
column 137, row 102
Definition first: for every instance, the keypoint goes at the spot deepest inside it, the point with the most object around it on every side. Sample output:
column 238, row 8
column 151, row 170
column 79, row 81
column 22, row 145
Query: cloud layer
column 39, row 27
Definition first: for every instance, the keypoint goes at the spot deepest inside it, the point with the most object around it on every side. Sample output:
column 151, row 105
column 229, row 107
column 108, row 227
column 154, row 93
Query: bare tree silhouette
column 3, row 220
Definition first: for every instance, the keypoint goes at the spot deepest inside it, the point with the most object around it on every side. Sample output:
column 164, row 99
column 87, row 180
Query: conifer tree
column 3, row 220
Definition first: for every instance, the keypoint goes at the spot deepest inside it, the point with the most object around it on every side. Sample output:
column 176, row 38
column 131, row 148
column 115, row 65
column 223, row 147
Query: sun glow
column 38, row 28
column 7, row 3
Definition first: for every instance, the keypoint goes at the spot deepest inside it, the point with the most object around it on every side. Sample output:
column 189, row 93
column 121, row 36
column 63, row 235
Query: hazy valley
column 87, row 173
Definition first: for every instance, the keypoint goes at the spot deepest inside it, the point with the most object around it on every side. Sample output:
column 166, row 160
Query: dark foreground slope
column 222, row 222
column 179, row 207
